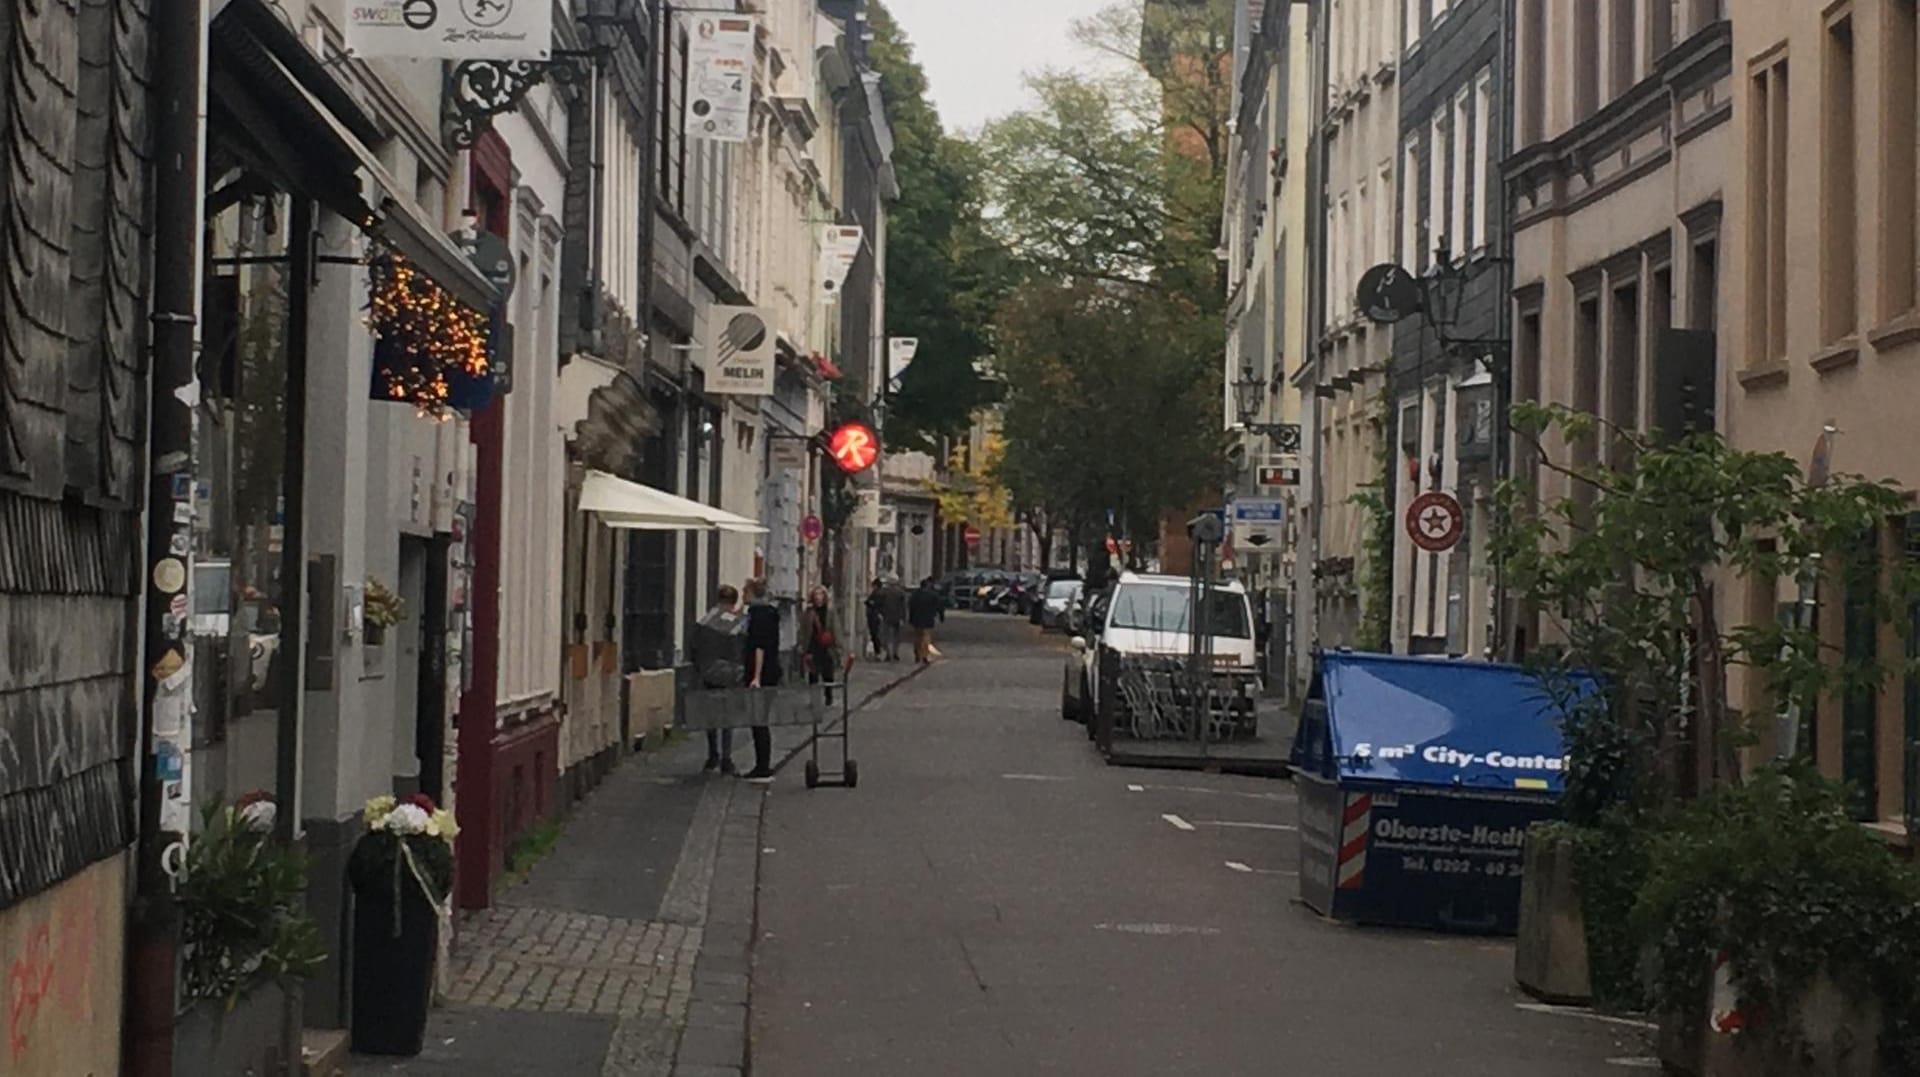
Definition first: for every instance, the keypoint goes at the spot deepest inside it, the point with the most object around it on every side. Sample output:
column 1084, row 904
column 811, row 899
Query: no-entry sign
column 971, row 535
column 1434, row 521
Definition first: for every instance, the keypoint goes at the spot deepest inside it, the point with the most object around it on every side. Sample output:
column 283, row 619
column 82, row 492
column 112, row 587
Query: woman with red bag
column 819, row 647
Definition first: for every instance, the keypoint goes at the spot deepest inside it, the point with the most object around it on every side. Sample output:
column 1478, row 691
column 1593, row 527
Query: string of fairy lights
column 438, row 336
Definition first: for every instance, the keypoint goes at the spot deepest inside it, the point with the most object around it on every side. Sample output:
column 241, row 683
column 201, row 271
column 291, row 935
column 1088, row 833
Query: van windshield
column 1167, row 608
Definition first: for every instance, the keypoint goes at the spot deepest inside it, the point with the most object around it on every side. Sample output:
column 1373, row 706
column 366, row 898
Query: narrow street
column 994, row 899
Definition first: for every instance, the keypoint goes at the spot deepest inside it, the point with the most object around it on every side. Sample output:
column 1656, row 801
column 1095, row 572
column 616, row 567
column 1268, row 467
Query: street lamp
column 1249, row 391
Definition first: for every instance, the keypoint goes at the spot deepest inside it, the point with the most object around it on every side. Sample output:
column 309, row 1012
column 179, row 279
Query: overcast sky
column 975, row 51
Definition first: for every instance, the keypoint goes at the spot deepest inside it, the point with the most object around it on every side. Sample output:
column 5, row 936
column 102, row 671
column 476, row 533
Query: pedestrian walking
column 876, row 627
column 923, row 612
column 893, row 616
column 820, row 650
column 719, row 651
column 762, row 659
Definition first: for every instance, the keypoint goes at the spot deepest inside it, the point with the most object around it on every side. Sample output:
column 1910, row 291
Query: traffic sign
column 1279, row 475
column 811, row 528
column 1434, row 521
column 971, row 535
column 854, row 447
column 1259, row 522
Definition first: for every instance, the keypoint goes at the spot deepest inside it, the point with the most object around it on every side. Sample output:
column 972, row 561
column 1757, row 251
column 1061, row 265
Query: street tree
column 1112, row 403
column 945, row 272
column 1625, row 572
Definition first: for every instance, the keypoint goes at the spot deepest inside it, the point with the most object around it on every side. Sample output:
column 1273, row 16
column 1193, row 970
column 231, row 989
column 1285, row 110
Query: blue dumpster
column 1418, row 778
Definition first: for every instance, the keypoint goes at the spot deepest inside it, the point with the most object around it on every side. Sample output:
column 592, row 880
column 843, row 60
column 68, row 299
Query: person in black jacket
column 763, row 668
column 924, row 608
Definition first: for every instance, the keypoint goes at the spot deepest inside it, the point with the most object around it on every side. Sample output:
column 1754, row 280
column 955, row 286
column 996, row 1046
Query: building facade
column 1265, row 244
column 1822, row 322
column 1449, row 360
column 1356, row 135
column 1617, row 179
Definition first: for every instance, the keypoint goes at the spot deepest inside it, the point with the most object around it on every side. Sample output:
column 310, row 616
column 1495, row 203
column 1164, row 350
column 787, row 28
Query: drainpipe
column 179, row 29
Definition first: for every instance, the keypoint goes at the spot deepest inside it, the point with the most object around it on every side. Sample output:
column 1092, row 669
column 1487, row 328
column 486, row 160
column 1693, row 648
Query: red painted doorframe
column 491, row 187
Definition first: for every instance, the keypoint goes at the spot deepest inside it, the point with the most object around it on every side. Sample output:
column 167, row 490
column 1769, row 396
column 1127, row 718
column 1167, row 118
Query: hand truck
column 849, row 774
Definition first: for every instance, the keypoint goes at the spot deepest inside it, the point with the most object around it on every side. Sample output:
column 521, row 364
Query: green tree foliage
column 1108, row 192
column 945, row 273
column 1112, row 403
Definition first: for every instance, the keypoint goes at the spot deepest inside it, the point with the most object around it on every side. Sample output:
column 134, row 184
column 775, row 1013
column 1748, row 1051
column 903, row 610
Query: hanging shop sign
column 1279, row 475
column 450, row 29
column 430, row 350
column 900, row 352
column 839, row 246
column 811, row 529
column 739, row 351
column 719, row 98
column 1434, row 521
column 787, row 454
column 854, row 447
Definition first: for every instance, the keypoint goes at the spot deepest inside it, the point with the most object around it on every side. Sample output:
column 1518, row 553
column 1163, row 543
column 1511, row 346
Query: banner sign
column 900, row 352
column 839, row 246
column 739, row 351
column 719, row 105
column 451, row 29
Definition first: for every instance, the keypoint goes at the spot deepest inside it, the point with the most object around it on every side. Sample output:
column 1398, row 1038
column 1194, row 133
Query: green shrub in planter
column 243, row 905
column 1776, row 875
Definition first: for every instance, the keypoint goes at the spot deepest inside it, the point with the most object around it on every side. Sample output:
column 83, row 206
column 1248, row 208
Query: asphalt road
column 994, row 900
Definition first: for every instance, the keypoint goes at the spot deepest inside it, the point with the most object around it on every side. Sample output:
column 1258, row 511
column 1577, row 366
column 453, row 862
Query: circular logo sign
column 486, row 13
column 854, row 447
column 810, row 528
column 419, row 14
column 1388, row 293
column 1434, row 521
column 971, row 535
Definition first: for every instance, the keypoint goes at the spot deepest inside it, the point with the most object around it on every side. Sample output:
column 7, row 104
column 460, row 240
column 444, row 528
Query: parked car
column 1050, row 612
column 958, row 588
column 1153, row 615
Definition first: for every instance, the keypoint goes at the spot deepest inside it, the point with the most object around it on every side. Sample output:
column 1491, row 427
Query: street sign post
column 1259, row 523
column 1434, row 521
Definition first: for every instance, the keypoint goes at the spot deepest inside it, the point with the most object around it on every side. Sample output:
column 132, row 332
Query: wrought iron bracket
column 479, row 90
column 1285, row 436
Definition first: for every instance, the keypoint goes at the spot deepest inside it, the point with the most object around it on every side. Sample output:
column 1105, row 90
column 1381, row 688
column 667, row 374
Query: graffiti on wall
column 60, row 975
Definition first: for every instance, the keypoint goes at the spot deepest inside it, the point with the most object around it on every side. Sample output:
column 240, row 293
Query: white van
column 1153, row 615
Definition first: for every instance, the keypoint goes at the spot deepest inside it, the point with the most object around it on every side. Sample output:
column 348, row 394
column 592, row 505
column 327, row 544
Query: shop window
column 237, row 533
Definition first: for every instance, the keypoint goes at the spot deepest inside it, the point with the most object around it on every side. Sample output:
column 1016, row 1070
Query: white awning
column 633, row 507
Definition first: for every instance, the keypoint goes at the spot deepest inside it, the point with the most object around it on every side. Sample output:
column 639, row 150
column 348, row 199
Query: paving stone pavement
column 628, row 953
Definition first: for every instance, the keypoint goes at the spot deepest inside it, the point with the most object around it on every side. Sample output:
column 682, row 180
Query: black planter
column 392, row 974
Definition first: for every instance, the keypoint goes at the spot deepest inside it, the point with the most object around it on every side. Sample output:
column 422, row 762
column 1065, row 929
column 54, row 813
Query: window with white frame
column 1436, row 217
column 1459, row 233
column 1343, row 287
column 1334, row 309
column 1483, row 165
column 1383, row 214
column 1411, row 256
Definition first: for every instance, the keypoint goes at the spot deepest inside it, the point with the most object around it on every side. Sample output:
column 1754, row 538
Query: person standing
column 893, row 616
column 875, row 626
column 819, row 647
column 763, row 668
column 718, row 652
column 923, row 612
